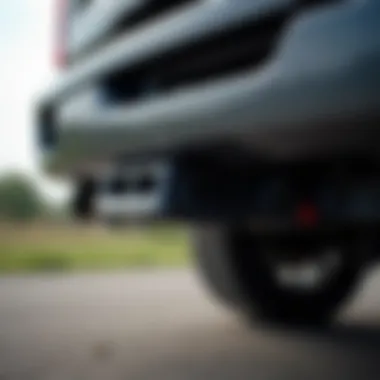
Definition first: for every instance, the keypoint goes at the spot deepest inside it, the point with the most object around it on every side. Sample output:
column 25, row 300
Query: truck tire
column 214, row 265
column 239, row 268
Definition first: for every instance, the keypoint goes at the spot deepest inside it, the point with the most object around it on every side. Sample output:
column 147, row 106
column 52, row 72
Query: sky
column 26, row 69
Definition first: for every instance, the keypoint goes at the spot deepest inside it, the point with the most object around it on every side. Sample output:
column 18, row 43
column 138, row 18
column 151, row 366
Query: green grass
column 46, row 248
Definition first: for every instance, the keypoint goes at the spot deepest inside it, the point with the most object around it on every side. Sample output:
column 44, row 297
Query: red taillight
column 307, row 214
column 60, row 52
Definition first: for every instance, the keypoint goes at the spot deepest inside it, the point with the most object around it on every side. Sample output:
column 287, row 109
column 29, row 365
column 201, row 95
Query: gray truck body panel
column 317, row 92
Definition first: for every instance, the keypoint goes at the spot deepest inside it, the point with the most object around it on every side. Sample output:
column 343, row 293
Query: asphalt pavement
column 162, row 325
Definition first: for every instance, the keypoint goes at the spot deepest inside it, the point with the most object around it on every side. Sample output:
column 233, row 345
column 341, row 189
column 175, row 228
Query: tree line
column 21, row 200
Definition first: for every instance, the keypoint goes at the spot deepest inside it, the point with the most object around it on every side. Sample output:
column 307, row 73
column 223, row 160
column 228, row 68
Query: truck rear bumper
column 320, row 91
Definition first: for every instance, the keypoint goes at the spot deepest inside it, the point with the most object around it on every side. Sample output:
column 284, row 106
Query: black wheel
column 214, row 265
column 300, row 279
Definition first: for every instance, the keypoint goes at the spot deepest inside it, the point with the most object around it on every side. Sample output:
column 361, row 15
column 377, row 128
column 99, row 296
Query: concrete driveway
column 162, row 325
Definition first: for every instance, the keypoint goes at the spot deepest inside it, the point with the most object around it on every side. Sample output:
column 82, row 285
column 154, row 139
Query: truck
column 255, row 122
